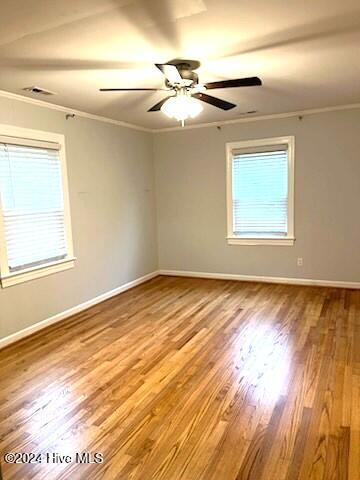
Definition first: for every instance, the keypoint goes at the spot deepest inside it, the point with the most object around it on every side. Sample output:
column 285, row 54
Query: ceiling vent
column 250, row 112
column 38, row 91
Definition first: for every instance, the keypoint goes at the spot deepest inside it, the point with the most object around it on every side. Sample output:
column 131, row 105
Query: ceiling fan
column 183, row 83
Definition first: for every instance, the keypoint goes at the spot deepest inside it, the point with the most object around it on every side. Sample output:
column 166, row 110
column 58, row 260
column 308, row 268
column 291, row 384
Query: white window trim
column 12, row 278
column 261, row 240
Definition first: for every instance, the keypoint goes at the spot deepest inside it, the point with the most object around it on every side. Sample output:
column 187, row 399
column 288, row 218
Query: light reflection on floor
column 262, row 358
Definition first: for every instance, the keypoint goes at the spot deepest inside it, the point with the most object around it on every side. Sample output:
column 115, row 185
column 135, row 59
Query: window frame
column 287, row 240
column 13, row 278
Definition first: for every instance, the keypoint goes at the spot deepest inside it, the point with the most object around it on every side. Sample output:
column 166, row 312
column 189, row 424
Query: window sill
column 286, row 241
column 37, row 272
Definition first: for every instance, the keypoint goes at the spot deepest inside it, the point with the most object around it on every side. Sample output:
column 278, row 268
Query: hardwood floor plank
column 191, row 379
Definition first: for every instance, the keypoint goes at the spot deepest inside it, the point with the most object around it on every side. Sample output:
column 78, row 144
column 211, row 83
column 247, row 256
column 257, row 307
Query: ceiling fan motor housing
column 190, row 79
column 186, row 69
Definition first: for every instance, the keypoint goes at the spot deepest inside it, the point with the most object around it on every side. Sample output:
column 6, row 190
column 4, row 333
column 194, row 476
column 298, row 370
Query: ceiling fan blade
column 239, row 82
column 132, row 89
column 158, row 106
column 216, row 102
column 170, row 71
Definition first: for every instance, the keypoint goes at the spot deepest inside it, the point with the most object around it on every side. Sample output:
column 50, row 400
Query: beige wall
column 191, row 202
column 111, row 183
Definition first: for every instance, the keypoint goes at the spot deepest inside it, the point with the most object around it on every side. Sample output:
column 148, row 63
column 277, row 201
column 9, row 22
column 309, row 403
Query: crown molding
column 297, row 113
column 79, row 113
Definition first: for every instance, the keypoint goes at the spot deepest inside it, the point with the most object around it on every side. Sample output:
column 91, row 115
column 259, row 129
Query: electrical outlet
column 299, row 262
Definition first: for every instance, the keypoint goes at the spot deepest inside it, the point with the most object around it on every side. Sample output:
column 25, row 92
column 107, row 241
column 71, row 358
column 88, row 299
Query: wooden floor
column 191, row 379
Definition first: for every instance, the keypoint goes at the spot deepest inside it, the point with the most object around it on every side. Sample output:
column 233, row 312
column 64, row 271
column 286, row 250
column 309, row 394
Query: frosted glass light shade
column 182, row 107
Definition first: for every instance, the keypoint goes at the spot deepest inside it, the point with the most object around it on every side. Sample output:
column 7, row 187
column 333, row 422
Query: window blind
column 32, row 205
column 260, row 193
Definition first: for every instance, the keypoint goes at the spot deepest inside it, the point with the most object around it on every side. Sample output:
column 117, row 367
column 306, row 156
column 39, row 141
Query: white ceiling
column 305, row 51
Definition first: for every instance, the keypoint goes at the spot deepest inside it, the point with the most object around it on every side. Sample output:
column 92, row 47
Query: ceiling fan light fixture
column 182, row 107
column 186, row 93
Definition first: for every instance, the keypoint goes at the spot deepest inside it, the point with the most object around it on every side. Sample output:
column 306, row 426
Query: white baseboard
column 72, row 311
column 255, row 278
column 177, row 273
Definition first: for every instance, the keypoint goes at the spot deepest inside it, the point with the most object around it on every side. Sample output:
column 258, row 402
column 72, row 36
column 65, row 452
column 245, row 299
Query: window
column 35, row 229
column 260, row 192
